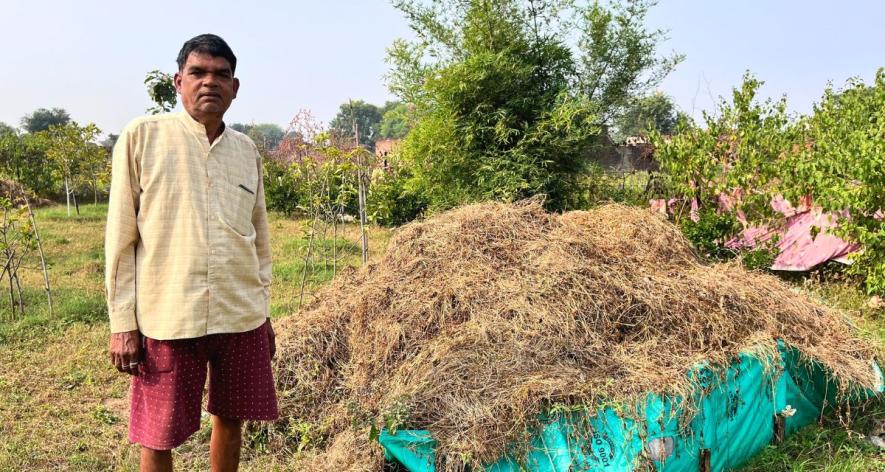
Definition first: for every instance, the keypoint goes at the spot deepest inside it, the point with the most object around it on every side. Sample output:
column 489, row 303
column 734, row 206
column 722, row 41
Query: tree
column 395, row 121
column 41, row 119
column 76, row 158
column 504, row 107
column 161, row 89
column 840, row 165
column 367, row 118
column 652, row 112
column 618, row 57
column 110, row 141
column 6, row 129
column 741, row 148
column 23, row 158
column 267, row 136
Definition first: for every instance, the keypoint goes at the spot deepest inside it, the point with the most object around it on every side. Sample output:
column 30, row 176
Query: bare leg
column 153, row 460
column 224, row 448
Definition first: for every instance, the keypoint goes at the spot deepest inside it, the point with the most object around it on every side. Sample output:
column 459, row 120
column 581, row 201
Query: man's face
column 206, row 84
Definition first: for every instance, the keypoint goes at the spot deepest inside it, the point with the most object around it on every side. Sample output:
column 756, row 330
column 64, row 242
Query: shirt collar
column 198, row 127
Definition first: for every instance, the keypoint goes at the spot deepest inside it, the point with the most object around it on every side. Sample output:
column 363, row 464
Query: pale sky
column 91, row 56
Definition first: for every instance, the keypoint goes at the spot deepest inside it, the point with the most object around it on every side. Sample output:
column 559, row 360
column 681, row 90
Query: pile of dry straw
column 477, row 319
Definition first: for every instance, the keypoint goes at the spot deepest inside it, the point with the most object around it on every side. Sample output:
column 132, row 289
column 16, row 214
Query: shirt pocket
column 237, row 199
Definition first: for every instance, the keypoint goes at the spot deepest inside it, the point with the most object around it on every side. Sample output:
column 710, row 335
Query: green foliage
column 42, row 119
column 836, row 156
column 391, row 202
column 653, row 112
column 843, row 168
column 761, row 258
column 710, row 232
column 630, row 188
column 280, row 188
column 827, row 447
column 327, row 185
column 110, row 141
column 76, row 159
column 6, row 129
column 101, row 414
column 306, row 436
column 17, row 240
column 617, row 56
column 395, row 121
column 23, row 158
column 161, row 89
column 367, row 118
column 504, row 109
column 267, row 136
column 742, row 148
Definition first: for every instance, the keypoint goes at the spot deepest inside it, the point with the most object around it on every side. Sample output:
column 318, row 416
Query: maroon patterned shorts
column 168, row 392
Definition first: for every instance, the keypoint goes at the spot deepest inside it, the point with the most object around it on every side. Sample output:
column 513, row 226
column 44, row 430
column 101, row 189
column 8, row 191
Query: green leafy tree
column 6, row 129
column 652, row 112
column 504, row 108
column 23, row 159
column 367, row 118
column 109, row 142
column 267, row 136
column 743, row 147
column 618, row 56
column 41, row 119
column 395, row 121
column 161, row 89
column 841, row 165
column 76, row 159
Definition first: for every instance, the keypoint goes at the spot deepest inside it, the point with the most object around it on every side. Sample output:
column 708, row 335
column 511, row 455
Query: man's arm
column 262, row 246
column 121, row 238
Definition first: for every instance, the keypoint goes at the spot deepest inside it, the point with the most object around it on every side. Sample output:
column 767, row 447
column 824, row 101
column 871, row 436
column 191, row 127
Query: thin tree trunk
column 10, row 273
column 307, row 261
column 33, row 219
column 362, row 200
column 335, row 243
column 18, row 286
column 11, row 296
column 68, row 196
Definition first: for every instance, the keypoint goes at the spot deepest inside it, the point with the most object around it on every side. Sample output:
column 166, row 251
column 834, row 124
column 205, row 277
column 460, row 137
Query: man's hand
column 125, row 351
column 271, row 339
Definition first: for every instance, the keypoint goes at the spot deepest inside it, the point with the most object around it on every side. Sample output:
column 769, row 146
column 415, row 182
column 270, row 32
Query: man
column 189, row 267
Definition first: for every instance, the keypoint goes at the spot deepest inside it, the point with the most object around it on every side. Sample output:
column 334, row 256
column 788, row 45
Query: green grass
column 63, row 407
column 830, row 448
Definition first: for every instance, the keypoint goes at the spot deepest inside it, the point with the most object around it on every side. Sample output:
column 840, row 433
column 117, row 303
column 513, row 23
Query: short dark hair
column 207, row 44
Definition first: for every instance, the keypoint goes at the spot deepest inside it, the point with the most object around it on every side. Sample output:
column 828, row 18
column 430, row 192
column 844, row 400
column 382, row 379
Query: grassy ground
column 63, row 407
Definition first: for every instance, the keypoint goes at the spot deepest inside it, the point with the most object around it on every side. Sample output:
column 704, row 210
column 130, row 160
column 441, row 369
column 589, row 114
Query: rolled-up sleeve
column 262, row 237
column 121, row 235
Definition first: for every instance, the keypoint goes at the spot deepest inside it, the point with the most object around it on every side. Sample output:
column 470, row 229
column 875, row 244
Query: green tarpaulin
column 737, row 416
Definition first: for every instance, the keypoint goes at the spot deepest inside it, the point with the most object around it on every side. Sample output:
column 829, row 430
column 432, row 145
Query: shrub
column 280, row 188
column 391, row 201
column 842, row 166
column 710, row 233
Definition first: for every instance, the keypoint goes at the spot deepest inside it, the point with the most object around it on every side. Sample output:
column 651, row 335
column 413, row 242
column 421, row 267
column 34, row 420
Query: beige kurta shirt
column 187, row 247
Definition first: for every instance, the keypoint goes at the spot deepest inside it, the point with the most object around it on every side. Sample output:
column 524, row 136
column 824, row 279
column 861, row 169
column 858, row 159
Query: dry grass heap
column 476, row 319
